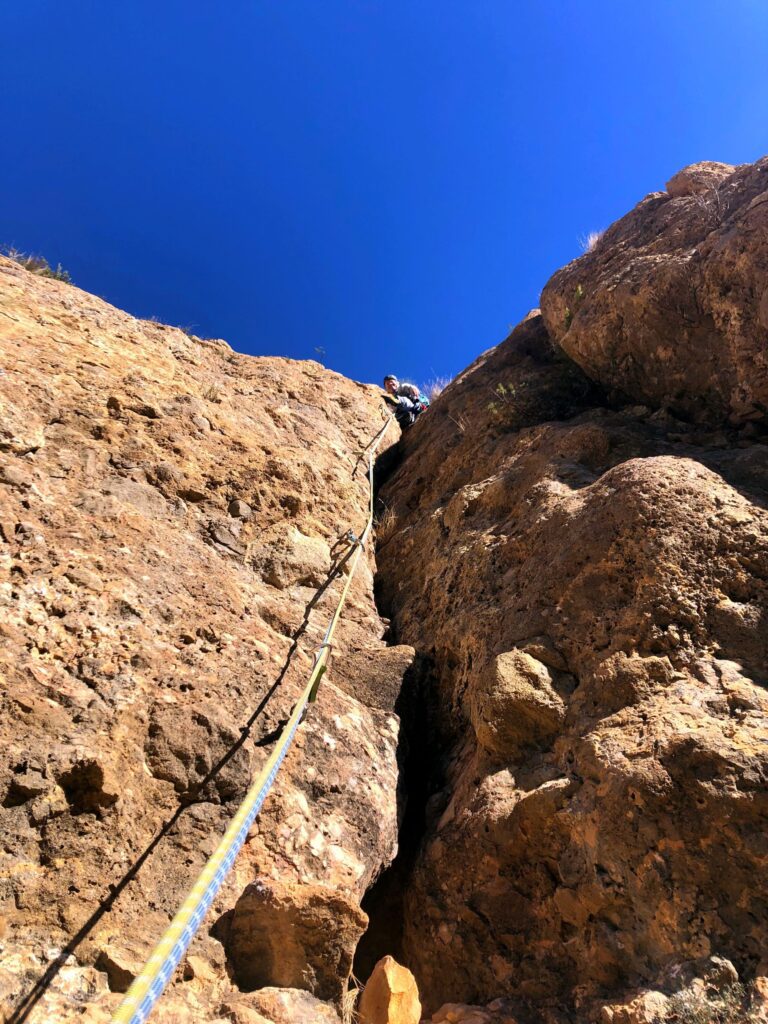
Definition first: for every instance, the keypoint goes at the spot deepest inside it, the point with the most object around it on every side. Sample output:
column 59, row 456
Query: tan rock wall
column 585, row 576
column 168, row 509
column 592, row 591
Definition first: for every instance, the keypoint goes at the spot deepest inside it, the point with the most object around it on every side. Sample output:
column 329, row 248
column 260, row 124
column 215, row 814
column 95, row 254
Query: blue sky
column 389, row 181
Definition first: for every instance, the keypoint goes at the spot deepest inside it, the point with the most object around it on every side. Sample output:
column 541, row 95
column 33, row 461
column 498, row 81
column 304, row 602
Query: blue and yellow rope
column 158, row 970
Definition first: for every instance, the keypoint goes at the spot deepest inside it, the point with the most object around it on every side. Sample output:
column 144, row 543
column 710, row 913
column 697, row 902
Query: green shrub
column 507, row 405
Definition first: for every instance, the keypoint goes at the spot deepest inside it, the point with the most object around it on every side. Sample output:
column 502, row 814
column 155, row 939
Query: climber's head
column 391, row 383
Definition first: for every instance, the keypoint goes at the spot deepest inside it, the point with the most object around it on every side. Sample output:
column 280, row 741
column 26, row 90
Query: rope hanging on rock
column 148, row 986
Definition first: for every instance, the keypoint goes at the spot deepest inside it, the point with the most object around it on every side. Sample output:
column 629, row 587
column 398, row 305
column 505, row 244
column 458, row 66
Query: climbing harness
column 158, row 970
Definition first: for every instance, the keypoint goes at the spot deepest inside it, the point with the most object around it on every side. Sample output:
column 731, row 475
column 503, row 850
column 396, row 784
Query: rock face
column 590, row 583
column 574, row 540
column 671, row 307
column 168, row 510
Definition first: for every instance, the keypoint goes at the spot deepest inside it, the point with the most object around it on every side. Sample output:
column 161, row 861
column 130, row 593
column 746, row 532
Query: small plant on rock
column 386, row 524
column 504, row 407
column 712, row 204
column 38, row 265
column 435, row 387
column 730, row 1006
column 461, row 423
column 589, row 241
column 505, row 393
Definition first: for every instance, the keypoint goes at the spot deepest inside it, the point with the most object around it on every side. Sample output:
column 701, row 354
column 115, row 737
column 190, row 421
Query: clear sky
column 390, row 182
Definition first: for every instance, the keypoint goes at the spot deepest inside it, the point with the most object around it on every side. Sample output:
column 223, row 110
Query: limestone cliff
column 588, row 576
column 168, row 512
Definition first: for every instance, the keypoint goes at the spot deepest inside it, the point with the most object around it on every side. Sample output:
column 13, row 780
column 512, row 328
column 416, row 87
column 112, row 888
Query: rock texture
column 589, row 579
column 168, row 510
column 390, row 996
column 294, row 936
column 671, row 307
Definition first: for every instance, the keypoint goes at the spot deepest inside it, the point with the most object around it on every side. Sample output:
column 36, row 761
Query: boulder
column 698, row 178
column 294, row 936
column 671, row 309
column 390, row 996
column 514, row 705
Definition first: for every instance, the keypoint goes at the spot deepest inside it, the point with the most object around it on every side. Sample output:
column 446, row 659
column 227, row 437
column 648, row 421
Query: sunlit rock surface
column 671, row 305
column 589, row 579
column 168, row 510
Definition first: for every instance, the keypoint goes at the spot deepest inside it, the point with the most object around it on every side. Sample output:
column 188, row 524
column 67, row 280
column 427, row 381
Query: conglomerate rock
column 590, row 583
column 671, row 305
column 168, row 510
column 575, row 541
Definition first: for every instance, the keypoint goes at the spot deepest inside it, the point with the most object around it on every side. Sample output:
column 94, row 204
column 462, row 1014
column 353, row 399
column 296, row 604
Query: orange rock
column 168, row 510
column 592, row 592
column 671, row 307
column 294, row 936
column 390, row 996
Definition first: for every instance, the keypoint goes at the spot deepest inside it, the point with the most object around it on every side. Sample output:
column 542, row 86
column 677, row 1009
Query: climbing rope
column 158, row 970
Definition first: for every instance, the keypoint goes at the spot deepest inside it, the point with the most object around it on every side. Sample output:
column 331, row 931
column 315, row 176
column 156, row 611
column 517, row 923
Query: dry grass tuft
column 734, row 1005
column 435, row 387
column 349, row 1000
column 589, row 241
column 386, row 524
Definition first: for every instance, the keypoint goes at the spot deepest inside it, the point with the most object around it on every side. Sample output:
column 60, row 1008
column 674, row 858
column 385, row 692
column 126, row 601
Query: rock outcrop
column 589, row 578
column 573, row 551
column 390, row 996
column 168, row 511
column 671, row 306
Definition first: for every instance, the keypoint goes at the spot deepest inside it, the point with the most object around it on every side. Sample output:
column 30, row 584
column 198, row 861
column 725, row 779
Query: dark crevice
column 420, row 754
column 386, row 464
column 420, row 757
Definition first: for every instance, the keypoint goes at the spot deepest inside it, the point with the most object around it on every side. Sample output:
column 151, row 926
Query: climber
column 407, row 402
